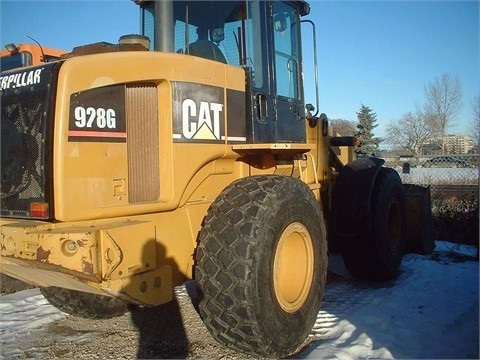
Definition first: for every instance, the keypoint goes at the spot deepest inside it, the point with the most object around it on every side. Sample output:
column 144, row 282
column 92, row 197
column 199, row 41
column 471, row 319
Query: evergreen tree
column 369, row 145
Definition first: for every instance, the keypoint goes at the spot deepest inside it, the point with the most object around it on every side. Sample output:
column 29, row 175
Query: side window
column 256, row 51
column 184, row 35
column 225, row 31
column 148, row 24
column 286, row 34
column 199, row 33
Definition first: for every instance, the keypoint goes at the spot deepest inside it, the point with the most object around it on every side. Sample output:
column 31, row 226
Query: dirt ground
column 177, row 332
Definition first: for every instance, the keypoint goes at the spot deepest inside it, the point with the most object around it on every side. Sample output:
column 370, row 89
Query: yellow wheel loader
column 189, row 152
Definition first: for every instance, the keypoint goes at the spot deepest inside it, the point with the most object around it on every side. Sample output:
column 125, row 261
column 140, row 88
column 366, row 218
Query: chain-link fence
column 454, row 188
column 438, row 172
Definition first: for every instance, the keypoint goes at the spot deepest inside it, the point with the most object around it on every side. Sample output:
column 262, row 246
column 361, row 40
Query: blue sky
column 379, row 53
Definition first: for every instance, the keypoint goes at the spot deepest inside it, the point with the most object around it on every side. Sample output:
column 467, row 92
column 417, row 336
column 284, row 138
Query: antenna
column 41, row 49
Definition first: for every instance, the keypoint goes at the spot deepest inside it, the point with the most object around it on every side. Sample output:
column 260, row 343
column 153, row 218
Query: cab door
column 274, row 71
column 258, row 65
column 289, row 113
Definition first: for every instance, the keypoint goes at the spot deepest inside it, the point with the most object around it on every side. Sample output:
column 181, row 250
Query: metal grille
column 23, row 126
column 142, row 143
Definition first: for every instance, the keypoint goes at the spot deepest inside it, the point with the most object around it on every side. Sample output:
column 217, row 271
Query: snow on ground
column 432, row 176
column 430, row 311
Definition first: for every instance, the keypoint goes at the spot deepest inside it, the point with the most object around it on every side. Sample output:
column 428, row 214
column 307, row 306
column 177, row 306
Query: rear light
column 39, row 210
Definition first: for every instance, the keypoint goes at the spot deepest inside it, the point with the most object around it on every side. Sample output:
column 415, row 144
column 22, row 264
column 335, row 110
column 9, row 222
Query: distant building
column 454, row 144
column 458, row 144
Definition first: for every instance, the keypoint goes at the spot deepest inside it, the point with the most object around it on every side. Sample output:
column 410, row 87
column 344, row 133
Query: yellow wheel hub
column 293, row 267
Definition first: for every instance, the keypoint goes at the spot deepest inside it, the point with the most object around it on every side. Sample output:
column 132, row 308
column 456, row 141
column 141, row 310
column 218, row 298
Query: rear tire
column 376, row 253
column 261, row 265
column 85, row 305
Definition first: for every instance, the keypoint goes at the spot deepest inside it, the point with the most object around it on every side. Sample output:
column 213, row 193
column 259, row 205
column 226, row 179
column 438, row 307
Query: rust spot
column 82, row 243
column 87, row 267
column 43, row 255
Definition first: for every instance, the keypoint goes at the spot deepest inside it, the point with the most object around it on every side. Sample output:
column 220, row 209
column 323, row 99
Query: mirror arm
column 315, row 65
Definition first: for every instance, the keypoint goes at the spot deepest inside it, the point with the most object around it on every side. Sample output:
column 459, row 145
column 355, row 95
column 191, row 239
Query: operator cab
column 262, row 37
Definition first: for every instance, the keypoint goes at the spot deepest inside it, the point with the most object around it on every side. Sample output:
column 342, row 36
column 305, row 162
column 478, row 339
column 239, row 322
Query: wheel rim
column 293, row 267
column 394, row 225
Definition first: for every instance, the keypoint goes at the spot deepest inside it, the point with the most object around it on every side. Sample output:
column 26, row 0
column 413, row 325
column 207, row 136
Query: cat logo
column 201, row 121
column 199, row 114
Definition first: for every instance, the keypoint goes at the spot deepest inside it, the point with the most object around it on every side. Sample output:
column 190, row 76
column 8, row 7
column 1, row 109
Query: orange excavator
column 17, row 56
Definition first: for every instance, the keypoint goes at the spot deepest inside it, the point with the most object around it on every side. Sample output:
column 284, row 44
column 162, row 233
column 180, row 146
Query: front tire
column 376, row 253
column 85, row 305
column 262, row 264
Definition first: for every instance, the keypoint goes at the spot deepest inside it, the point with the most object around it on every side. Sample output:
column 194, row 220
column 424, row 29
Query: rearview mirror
column 280, row 22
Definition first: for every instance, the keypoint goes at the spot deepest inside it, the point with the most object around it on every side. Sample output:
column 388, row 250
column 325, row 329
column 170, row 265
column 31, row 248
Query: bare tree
column 475, row 128
column 443, row 100
column 343, row 127
column 411, row 131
